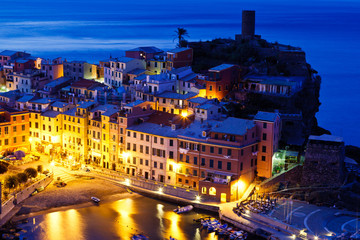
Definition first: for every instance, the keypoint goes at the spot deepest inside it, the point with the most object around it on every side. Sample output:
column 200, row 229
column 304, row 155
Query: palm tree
column 180, row 33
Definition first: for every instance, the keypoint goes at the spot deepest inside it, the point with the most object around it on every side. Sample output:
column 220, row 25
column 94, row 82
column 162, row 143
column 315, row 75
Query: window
column 155, row 139
column 147, row 150
column 252, row 162
column 161, row 166
column 134, row 160
column 212, row 191
column 171, row 143
column 219, row 164
column 211, row 163
column 23, row 117
column 211, row 149
column 134, row 134
column 134, row 147
column 220, row 150
column 128, row 133
column 161, row 141
column 155, row 164
column 146, row 162
column 181, row 157
column 14, row 140
column 14, row 129
column 202, row 161
column 264, row 136
column 195, row 161
column 264, row 149
column 147, row 138
column 264, row 125
column 14, row 119
column 242, row 152
column 141, row 148
column 210, row 88
column 203, row 190
column 171, row 154
column 263, row 158
column 241, row 166
column 229, row 152
column 195, row 172
column 141, row 137
column 228, row 166
column 187, row 159
column 203, row 148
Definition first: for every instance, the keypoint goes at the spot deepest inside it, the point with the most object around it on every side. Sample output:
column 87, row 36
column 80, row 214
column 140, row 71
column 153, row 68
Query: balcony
column 184, row 150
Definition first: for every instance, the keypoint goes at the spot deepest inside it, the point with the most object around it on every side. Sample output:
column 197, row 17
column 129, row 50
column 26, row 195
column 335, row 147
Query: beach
column 75, row 194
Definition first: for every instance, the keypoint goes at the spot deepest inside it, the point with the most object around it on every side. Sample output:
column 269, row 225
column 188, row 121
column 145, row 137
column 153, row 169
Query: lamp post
column 52, row 167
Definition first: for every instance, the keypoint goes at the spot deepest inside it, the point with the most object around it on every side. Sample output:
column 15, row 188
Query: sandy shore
column 76, row 194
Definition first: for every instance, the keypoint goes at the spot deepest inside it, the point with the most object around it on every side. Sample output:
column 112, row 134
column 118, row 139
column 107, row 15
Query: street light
column 52, row 166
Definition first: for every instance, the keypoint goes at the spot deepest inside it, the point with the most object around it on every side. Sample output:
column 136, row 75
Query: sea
column 327, row 30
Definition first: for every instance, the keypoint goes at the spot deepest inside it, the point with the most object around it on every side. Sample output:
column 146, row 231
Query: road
column 317, row 220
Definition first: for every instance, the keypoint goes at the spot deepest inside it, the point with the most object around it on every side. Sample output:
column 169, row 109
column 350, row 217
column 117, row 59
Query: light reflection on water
column 117, row 220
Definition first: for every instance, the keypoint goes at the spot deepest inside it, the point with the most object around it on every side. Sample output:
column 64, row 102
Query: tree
column 40, row 168
column 3, row 167
column 11, row 182
column 31, row 172
column 22, row 177
column 180, row 33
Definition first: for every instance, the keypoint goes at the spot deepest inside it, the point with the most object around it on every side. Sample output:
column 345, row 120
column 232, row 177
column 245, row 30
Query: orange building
column 221, row 80
column 14, row 130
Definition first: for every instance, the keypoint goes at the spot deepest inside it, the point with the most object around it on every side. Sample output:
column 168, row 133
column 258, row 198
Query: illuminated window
column 212, row 191
column 203, row 190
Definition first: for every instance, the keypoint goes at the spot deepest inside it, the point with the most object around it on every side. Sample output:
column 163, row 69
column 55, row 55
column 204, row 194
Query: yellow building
column 75, row 133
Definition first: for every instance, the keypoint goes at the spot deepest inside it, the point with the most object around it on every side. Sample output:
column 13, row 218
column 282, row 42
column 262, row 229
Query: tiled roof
column 234, row 126
column 137, row 71
column 177, row 50
column 86, row 104
column 135, row 103
column 175, row 95
column 266, row 116
column 57, row 81
column 200, row 100
column 221, row 67
column 50, row 113
column 150, row 49
column 7, row 53
column 326, row 138
column 59, row 104
column 25, row 98
column 206, row 106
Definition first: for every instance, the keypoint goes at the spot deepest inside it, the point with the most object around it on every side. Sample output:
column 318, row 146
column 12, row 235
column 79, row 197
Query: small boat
column 40, row 189
column 95, row 199
column 129, row 190
column 139, row 237
column 34, row 193
column 187, row 208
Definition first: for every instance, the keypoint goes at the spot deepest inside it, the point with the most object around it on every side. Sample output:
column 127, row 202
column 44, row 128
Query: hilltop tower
column 248, row 24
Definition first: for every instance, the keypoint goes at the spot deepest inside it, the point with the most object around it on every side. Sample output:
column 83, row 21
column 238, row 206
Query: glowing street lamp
column 52, row 167
column 184, row 114
column 160, row 191
column 198, row 198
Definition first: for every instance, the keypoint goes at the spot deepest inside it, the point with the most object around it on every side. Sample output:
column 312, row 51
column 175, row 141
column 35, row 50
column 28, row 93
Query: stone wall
column 22, row 195
column 292, row 175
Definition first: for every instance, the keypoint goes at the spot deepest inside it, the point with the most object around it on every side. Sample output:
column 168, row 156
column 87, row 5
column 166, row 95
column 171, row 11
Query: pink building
column 268, row 129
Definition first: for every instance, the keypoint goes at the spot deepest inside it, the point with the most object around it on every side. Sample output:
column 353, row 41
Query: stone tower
column 324, row 161
column 248, row 24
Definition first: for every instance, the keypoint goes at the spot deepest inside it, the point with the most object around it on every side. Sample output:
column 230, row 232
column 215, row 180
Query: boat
column 95, row 199
column 187, row 208
column 34, row 193
column 139, row 237
column 40, row 189
column 129, row 190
